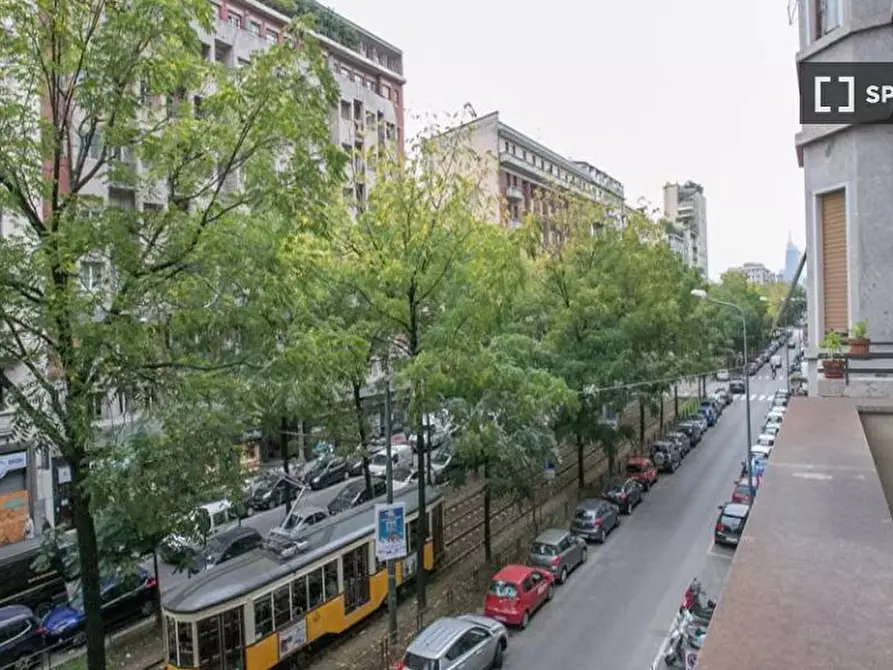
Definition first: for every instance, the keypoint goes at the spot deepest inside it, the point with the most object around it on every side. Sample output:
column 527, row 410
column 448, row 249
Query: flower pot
column 859, row 346
column 833, row 368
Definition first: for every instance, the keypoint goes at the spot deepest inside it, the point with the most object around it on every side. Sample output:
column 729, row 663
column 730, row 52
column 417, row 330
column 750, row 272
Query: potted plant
column 832, row 368
column 858, row 341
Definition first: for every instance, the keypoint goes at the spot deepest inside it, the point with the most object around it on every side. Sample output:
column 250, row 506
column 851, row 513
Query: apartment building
column 848, row 183
column 685, row 208
column 520, row 173
column 756, row 274
column 369, row 74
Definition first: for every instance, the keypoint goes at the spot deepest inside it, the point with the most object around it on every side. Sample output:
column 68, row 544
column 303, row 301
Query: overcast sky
column 648, row 90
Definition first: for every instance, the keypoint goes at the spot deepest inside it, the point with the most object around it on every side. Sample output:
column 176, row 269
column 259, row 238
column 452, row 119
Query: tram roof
column 253, row 571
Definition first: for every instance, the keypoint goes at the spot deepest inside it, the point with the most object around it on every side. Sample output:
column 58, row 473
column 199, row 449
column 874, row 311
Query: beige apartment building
column 369, row 74
column 685, row 211
column 519, row 172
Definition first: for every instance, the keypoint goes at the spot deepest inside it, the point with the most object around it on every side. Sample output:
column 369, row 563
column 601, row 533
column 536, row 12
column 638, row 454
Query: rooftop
column 812, row 580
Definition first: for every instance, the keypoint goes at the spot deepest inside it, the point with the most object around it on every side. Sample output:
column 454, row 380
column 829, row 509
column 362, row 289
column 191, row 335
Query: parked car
column 625, row 493
column 226, row 546
column 444, row 464
column 558, row 551
column 207, row 521
column 329, row 470
column 516, row 592
column 736, row 386
column 666, row 456
column 124, row 597
column 701, row 421
column 692, row 429
column 723, row 397
column 594, row 519
column 681, row 440
column 401, row 454
column 767, row 439
column 303, row 517
column 467, row 641
column 642, row 470
column 722, row 375
column 730, row 523
column 742, row 492
column 22, row 640
column 355, row 494
column 24, row 584
column 269, row 491
column 780, row 401
column 405, row 475
column 709, row 414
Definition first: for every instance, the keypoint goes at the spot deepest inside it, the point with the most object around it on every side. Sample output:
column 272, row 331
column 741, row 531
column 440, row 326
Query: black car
column 730, row 523
column 736, row 386
column 21, row 638
column 225, row 546
column 329, row 470
column 691, row 429
column 666, row 456
column 625, row 493
column 22, row 583
column 355, row 494
column 270, row 491
column 682, row 440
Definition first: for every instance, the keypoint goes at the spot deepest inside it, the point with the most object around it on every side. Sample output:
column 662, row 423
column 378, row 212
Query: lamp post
column 702, row 294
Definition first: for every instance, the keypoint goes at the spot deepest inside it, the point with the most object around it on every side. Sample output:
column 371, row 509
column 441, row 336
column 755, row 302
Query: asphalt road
column 263, row 521
column 616, row 610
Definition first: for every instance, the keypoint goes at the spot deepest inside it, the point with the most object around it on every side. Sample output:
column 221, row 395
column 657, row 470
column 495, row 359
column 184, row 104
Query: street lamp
column 702, row 294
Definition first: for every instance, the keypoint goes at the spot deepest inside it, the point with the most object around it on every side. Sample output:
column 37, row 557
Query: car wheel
column 584, row 556
column 344, row 478
column 603, row 536
column 249, row 511
column 550, row 593
column 148, row 608
column 497, row 658
column 525, row 620
column 563, row 578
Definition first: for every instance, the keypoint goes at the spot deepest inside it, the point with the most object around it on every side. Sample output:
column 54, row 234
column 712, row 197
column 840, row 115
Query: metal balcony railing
column 878, row 362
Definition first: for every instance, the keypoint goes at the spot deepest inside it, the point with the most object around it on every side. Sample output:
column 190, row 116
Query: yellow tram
column 256, row 611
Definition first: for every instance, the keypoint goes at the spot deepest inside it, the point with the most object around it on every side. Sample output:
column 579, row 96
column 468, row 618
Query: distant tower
column 791, row 260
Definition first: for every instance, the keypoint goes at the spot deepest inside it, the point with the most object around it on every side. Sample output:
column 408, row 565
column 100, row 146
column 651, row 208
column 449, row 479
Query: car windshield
column 732, row 522
column 502, row 589
column 441, row 458
column 413, row 662
column 584, row 514
column 542, row 549
column 380, row 458
column 742, row 490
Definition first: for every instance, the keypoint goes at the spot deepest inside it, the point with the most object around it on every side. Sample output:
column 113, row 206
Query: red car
column 742, row 493
column 516, row 592
column 642, row 470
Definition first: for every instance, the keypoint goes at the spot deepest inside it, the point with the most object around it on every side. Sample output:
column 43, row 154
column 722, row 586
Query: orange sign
column 13, row 515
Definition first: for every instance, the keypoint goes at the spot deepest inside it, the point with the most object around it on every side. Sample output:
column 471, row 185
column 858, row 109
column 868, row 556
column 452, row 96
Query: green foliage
column 859, row 330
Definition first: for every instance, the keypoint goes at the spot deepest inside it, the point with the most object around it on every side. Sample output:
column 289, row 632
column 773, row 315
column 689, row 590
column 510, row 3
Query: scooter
column 688, row 634
column 692, row 601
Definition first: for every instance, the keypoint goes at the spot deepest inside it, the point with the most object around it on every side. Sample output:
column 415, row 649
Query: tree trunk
column 421, row 574
column 676, row 402
column 158, row 617
column 283, row 449
column 364, row 438
column 302, row 441
column 661, row 400
column 641, row 423
column 581, row 472
column 488, row 547
column 88, row 555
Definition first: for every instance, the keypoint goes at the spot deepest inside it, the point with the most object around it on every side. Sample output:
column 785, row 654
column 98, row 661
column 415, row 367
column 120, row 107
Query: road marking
column 753, row 396
column 761, row 398
column 813, row 475
column 713, row 552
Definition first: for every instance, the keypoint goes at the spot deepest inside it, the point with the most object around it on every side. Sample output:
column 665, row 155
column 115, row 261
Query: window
column 263, row 616
column 234, row 19
column 184, row 643
column 94, row 150
column 299, row 596
column 209, row 643
column 386, row 91
column 232, row 639
column 281, row 606
column 330, row 577
column 827, row 16
column 412, row 536
column 272, row 36
column 314, row 589
column 254, row 27
column 170, row 629
column 345, row 110
column 91, row 275
column 356, row 578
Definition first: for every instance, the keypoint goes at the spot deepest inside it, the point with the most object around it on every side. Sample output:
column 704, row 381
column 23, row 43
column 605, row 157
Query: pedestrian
column 29, row 528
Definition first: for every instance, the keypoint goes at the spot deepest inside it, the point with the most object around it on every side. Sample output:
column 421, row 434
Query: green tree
column 416, row 257
column 99, row 297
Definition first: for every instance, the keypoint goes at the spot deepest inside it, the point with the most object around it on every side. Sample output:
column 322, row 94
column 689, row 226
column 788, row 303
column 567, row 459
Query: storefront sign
column 293, row 638
column 63, row 474
column 10, row 462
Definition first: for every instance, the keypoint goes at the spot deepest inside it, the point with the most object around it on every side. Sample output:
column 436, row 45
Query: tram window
column 281, row 606
column 299, row 596
column 412, row 536
column 184, row 644
column 356, row 578
column 209, row 643
column 330, row 577
column 171, row 628
column 263, row 616
column 314, row 588
column 232, row 639
column 437, row 530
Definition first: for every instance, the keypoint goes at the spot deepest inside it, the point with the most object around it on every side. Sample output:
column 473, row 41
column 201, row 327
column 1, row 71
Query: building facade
column 756, row 274
column 848, row 183
column 791, row 261
column 519, row 173
column 369, row 74
column 685, row 208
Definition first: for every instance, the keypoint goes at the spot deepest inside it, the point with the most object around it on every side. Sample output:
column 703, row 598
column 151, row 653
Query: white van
column 401, row 454
column 209, row 520
column 775, row 361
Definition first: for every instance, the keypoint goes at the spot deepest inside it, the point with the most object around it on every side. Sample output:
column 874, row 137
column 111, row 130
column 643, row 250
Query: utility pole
column 389, row 475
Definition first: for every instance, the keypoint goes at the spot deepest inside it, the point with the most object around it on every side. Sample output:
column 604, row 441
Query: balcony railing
column 878, row 362
column 514, row 193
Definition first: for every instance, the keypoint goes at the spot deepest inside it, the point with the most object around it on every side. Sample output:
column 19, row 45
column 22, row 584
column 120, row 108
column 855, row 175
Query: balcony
column 514, row 193
column 867, row 375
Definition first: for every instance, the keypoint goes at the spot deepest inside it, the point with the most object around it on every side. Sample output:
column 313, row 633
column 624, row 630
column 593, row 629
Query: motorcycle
column 689, row 634
column 693, row 601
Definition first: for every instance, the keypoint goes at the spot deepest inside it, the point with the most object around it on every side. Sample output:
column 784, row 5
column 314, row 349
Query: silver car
column 558, row 551
column 468, row 642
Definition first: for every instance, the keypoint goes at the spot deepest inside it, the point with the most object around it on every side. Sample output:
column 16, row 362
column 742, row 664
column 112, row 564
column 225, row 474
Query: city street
column 263, row 521
column 617, row 610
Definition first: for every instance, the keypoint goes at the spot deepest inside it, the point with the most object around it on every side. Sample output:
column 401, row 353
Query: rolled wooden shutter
column 834, row 261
